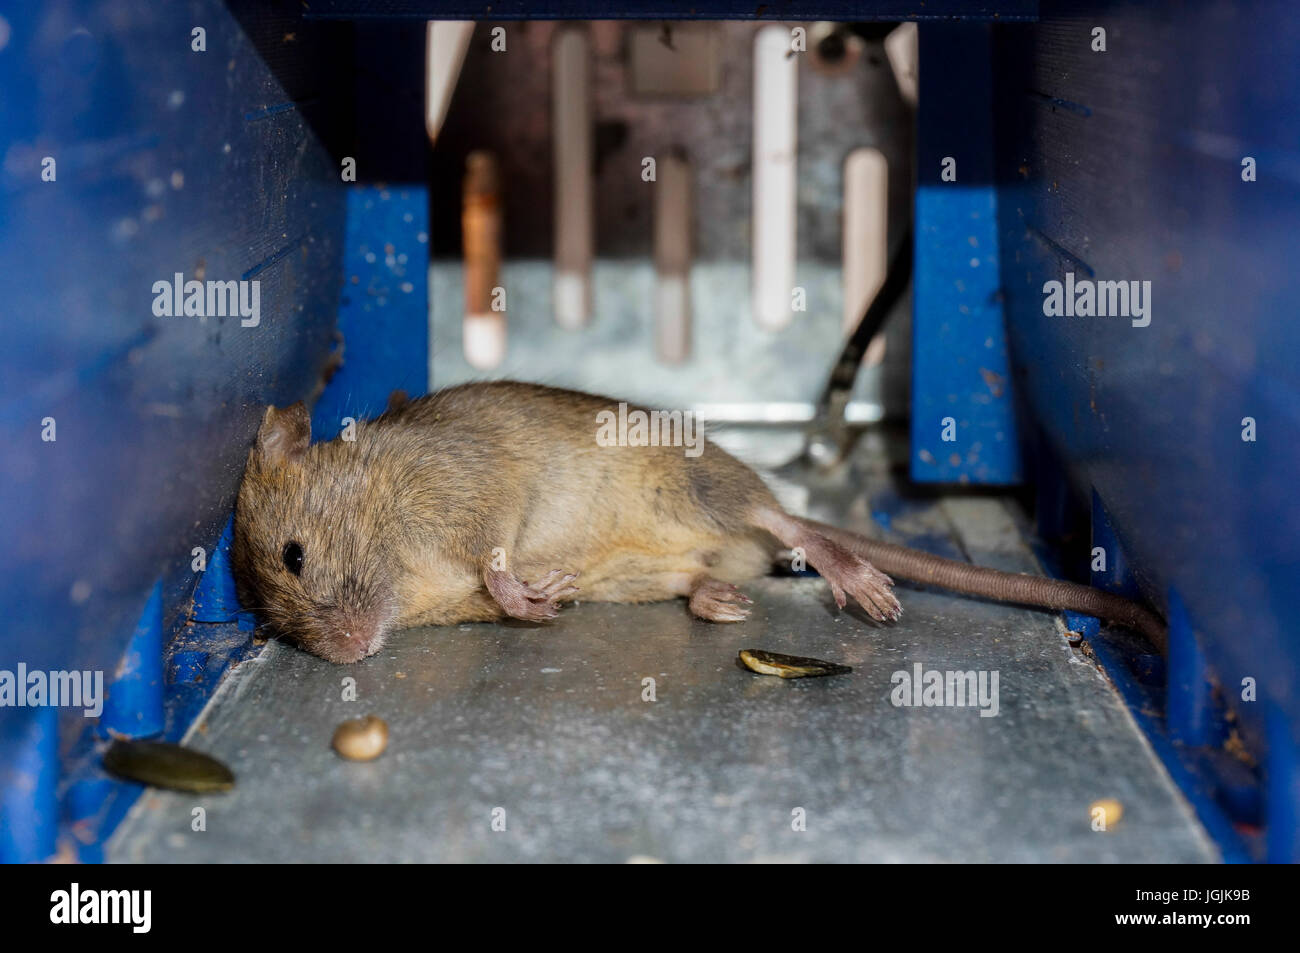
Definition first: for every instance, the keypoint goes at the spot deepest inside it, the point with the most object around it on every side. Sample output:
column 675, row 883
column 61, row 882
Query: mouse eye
column 293, row 558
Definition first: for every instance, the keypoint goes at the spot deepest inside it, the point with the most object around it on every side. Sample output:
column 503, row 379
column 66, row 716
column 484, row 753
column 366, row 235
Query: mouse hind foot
column 716, row 601
column 845, row 572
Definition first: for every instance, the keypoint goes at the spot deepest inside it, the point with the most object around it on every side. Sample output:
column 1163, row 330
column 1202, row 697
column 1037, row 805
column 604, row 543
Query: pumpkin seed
column 167, row 765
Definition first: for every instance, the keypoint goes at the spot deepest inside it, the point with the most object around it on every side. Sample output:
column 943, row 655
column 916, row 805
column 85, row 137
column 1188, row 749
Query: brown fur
column 399, row 527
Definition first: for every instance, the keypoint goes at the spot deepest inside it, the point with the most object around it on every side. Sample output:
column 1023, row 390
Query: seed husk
column 361, row 739
column 167, row 765
column 789, row 666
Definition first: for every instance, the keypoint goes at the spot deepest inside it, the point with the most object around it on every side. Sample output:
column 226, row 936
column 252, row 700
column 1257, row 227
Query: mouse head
column 308, row 548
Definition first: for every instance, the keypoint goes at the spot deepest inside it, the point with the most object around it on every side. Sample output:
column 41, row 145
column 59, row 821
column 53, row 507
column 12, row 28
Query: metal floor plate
column 546, row 728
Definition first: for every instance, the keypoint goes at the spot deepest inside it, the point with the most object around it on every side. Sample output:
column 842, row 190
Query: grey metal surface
column 549, row 724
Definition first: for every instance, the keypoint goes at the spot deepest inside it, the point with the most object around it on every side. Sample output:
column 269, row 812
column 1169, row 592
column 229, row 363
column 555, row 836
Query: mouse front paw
column 532, row 602
column 716, row 601
column 544, row 597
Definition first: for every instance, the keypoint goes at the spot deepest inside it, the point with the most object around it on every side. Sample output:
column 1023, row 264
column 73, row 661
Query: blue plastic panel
column 1127, row 164
column 167, row 160
column 163, row 166
column 384, row 313
column 963, row 415
column 383, row 318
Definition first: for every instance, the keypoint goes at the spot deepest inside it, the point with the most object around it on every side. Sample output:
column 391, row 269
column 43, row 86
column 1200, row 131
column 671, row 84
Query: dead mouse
column 495, row 499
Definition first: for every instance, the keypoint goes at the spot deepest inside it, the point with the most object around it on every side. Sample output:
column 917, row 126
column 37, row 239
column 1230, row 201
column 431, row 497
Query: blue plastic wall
column 1128, row 164
column 1179, row 440
column 213, row 164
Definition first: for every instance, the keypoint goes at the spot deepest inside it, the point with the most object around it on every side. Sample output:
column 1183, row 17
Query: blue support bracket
column 1189, row 709
column 1088, row 626
column 134, row 707
column 963, row 415
column 1115, row 575
column 216, row 598
column 29, row 776
column 384, row 312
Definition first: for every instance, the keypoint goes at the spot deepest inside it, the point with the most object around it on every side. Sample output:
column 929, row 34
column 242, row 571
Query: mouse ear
column 397, row 399
column 284, row 434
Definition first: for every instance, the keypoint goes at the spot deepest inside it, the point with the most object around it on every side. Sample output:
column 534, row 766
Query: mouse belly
column 629, row 574
column 447, row 594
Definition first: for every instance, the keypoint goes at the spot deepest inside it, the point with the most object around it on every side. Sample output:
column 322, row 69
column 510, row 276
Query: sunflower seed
column 789, row 666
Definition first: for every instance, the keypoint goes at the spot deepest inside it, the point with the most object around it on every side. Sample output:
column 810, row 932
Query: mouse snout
column 349, row 635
